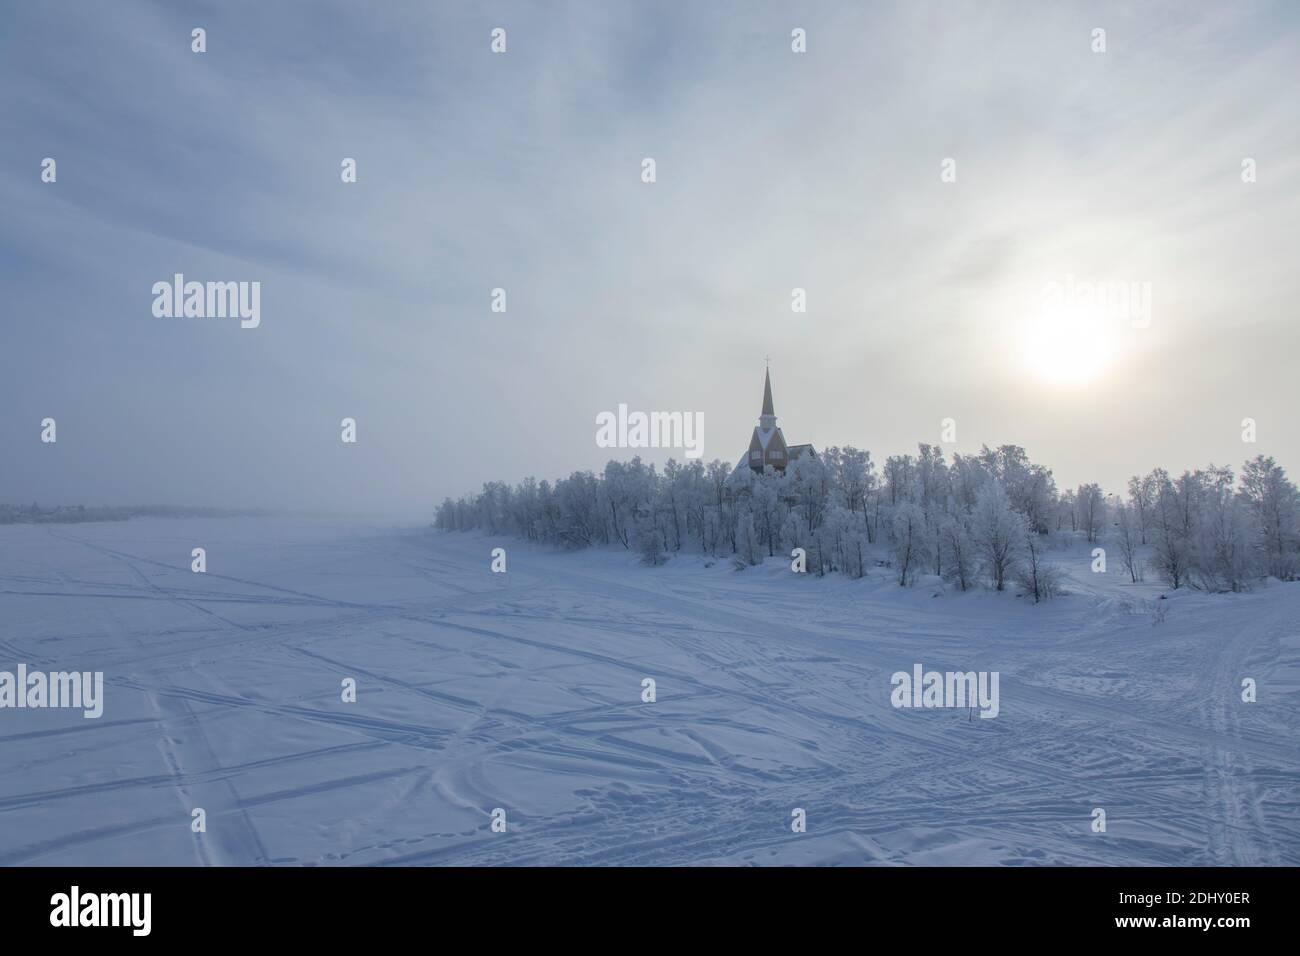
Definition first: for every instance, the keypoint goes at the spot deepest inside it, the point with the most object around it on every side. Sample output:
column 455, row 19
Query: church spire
column 768, row 418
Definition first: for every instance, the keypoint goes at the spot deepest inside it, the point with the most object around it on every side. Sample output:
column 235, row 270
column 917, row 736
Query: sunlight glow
column 1068, row 344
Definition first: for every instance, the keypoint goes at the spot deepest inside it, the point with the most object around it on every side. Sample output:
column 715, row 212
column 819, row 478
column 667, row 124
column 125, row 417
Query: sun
column 1068, row 344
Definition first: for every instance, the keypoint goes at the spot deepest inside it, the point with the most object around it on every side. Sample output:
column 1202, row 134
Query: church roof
column 767, row 393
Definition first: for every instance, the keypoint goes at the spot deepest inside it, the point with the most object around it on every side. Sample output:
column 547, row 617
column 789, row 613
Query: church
column 767, row 446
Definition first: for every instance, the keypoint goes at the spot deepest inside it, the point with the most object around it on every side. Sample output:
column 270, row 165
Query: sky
column 775, row 170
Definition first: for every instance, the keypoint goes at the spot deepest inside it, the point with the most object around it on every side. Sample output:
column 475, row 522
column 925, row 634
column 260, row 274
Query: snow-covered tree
column 1275, row 508
column 998, row 532
column 1170, row 529
column 1127, row 537
column 748, row 549
column 810, row 487
column 1141, row 494
column 1067, row 513
column 581, row 522
column 958, row 550
column 626, row 485
column 649, row 539
column 1223, row 557
column 900, row 479
column 769, row 510
column 1090, row 503
column 966, row 476
column 1038, row 577
column 854, row 546
column 853, row 476
column 910, row 544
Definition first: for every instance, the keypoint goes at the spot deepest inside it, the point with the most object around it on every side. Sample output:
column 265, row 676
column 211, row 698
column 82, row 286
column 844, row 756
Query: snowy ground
column 523, row 691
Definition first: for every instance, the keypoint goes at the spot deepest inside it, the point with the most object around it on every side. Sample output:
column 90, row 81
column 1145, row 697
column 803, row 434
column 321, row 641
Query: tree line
column 987, row 518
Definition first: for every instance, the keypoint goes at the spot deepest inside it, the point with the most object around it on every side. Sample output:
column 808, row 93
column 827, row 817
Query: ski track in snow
column 522, row 691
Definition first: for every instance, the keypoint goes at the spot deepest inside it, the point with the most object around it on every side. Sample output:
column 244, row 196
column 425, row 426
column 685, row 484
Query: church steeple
column 768, row 417
column 767, row 447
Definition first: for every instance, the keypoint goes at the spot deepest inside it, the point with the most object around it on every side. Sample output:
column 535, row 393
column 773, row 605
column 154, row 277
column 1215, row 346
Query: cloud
column 521, row 171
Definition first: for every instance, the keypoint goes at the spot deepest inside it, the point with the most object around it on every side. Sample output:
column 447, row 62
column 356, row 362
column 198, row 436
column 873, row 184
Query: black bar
column 336, row 905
